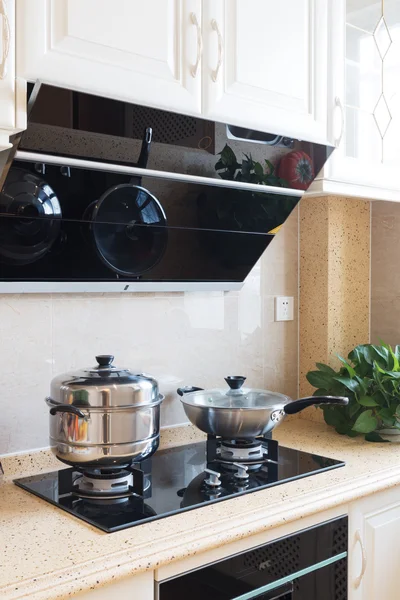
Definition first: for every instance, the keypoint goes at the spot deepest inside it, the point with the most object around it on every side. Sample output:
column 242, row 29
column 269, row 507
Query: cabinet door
column 141, row 52
column 374, row 550
column 265, row 65
column 12, row 106
column 366, row 162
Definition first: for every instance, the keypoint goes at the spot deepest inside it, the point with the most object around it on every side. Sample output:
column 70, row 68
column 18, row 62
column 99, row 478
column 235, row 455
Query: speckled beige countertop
column 46, row 554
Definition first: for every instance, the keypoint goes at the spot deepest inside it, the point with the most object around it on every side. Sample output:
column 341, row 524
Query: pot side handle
column 188, row 389
column 68, row 408
column 294, row 407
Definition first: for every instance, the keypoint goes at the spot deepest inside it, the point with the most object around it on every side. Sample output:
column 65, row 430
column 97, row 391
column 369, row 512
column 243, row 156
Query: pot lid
column 104, row 385
column 104, row 370
column 234, row 396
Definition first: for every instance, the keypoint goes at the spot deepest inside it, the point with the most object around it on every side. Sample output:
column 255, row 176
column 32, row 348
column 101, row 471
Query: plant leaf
column 353, row 409
column 351, row 384
column 373, row 436
column 387, row 417
column 258, row 170
column 334, row 417
column 366, row 422
column 367, row 401
column 228, row 157
column 319, row 379
column 348, row 367
column 325, row 368
column 270, row 166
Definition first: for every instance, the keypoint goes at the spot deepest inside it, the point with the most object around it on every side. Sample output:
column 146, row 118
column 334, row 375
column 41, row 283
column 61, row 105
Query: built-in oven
column 308, row 565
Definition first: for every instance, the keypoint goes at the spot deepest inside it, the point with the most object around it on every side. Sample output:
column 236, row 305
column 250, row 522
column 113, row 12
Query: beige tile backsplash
column 184, row 338
column 385, row 273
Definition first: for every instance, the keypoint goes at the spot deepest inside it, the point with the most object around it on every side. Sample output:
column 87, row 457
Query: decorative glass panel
column 373, row 80
column 363, row 140
column 382, row 37
column 364, row 14
column 363, row 70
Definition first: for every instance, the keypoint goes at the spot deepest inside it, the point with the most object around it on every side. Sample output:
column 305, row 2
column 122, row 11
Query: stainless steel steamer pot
column 242, row 413
column 104, row 417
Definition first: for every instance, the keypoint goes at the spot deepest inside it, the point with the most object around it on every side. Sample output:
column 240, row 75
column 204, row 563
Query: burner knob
column 213, row 479
column 241, row 473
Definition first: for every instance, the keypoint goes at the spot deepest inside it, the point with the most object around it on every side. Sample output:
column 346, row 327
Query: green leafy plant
column 248, row 170
column 370, row 378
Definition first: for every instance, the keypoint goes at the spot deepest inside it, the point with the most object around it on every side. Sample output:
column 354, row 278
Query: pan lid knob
column 104, row 360
column 235, row 382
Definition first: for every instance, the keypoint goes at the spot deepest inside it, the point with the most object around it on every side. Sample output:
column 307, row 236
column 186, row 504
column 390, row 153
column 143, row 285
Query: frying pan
column 243, row 413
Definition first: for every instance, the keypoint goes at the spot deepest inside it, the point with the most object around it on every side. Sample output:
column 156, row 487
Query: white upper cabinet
column 265, row 65
column 366, row 59
column 12, row 93
column 260, row 64
column 146, row 52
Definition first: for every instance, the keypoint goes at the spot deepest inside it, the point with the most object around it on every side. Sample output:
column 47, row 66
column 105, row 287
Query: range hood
column 193, row 205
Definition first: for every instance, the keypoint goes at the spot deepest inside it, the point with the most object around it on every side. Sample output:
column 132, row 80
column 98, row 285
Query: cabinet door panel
column 7, row 67
column 366, row 162
column 274, row 58
column 375, row 528
column 128, row 49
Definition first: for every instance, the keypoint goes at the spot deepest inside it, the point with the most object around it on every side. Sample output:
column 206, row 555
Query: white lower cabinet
column 374, row 547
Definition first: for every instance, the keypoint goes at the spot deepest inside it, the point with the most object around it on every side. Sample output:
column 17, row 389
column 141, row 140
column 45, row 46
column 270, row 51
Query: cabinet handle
column 339, row 105
column 6, row 39
column 358, row 579
column 194, row 68
column 214, row 27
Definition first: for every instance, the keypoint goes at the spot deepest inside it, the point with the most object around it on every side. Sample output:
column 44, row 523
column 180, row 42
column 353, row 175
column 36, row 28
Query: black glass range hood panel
column 67, row 123
column 176, row 482
column 215, row 228
column 223, row 231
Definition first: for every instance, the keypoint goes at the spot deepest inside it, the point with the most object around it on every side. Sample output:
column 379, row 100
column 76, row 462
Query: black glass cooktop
column 174, row 481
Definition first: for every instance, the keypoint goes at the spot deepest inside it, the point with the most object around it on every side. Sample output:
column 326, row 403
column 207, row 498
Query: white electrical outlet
column 284, row 308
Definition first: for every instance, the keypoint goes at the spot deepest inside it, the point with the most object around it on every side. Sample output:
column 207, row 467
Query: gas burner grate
column 257, row 453
column 104, row 485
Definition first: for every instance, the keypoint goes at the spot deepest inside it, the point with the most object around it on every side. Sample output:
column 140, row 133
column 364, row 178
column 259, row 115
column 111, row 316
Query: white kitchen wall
column 181, row 339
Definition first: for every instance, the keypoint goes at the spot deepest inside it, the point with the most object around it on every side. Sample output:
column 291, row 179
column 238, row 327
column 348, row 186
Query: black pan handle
column 145, row 149
column 68, row 408
column 187, row 389
column 294, row 407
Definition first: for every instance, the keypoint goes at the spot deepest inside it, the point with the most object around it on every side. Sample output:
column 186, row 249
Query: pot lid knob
column 235, row 382
column 104, row 360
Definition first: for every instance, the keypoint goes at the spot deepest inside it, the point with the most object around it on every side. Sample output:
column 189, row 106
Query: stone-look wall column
column 334, row 282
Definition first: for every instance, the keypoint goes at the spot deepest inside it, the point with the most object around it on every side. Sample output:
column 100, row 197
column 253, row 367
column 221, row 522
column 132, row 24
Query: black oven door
column 327, row 583
column 309, row 565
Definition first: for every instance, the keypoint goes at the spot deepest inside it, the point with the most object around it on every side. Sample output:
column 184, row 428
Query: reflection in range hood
column 221, row 193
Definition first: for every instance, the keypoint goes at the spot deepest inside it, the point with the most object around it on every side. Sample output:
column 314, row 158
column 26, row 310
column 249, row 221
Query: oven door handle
column 276, row 585
column 277, row 593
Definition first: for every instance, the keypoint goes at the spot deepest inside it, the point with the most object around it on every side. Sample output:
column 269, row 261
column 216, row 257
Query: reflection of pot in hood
column 30, row 219
column 246, row 220
column 129, row 229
